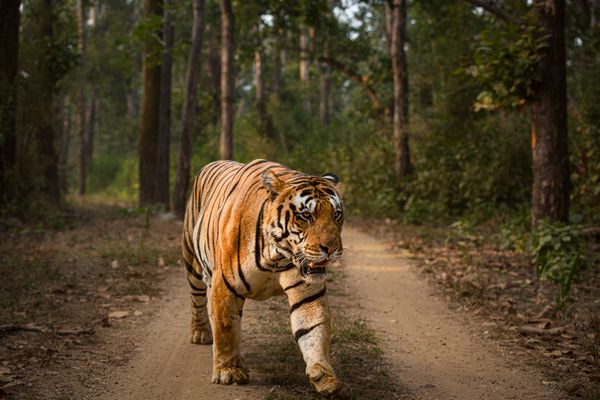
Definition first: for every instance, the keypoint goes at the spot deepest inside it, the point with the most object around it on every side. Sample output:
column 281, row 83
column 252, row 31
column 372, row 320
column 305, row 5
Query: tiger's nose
column 329, row 249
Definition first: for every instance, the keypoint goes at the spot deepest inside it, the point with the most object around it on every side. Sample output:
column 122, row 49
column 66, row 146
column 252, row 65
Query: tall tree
column 182, row 179
column 81, row 103
column 549, row 134
column 402, row 165
column 9, row 54
column 227, row 79
column 324, row 93
column 149, row 124
column 46, row 72
column 260, row 98
column 548, row 99
column 164, row 135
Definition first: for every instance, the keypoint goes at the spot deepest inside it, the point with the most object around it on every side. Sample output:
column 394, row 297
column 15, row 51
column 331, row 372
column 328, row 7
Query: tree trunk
column 164, row 136
column 214, row 71
column 304, row 61
column 149, row 121
column 277, row 73
column 45, row 134
column 65, row 142
column 550, row 192
column 324, row 94
column 400, row 74
column 90, row 130
column 260, row 101
column 9, row 54
column 81, row 104
column 227, row 84
column 182, row 179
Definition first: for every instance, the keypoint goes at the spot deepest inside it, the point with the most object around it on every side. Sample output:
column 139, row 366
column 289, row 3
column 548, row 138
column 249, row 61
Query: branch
column 490, row 7
column 37, row 328
column 362, row 80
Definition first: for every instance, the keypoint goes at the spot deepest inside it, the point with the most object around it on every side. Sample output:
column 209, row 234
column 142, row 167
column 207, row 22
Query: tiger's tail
column 200, row 325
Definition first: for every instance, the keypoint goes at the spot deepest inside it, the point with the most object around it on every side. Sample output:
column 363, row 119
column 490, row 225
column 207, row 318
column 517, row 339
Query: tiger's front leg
column 226, row 314
column 311, row 325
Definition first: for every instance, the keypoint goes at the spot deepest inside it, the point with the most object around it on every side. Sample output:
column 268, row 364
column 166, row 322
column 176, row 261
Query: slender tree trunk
column 227, row 83
column 81, row 104
column 304, row 60
column 402, row 164
column 90, row 130
column 45, row 134
column 214, row 71
column 182, row 178
column 260, row 101
column 550, row 192
column 9, row 54
column 324, row 94
column 164, row 136
column 277, row 77
column 63, row 153
column 149, row 121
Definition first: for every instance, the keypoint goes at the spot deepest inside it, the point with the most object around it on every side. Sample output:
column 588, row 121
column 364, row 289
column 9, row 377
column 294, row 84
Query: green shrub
column 557, row 251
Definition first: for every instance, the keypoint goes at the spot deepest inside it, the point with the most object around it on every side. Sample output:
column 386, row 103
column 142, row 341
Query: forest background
column 431, row 112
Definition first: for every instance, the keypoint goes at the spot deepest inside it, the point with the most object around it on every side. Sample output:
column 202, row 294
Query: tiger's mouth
column 314, row 268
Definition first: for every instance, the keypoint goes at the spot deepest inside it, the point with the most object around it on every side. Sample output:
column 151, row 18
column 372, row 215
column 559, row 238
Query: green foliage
column 504, row 63
column 115, row 176
column 476, row 169
column 557, row 252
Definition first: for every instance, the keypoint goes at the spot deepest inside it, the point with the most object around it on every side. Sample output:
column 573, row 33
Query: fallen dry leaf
column 140, row 299
column 118, row 314
column 114, row 264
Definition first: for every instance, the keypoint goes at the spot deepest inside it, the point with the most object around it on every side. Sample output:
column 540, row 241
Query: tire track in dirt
column 431, row 352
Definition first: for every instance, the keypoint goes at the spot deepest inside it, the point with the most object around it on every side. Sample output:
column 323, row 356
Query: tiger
column 253, row 231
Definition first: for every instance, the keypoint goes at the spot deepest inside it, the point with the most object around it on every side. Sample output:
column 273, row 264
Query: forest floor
column 94, row 305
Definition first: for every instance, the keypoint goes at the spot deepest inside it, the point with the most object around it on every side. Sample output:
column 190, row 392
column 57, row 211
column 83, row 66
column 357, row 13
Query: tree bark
column 45, row 134
column 260, row 99
column 214, row 71
column 277, row 77
column 164, row 136
column 182, row 178
column 90, row 130
column 324, row 94
column 227, row 84
column 9, row 54
column 304, row 61
column 149, row 121
column 550, row 192
column 81, row 104
column 402, row 164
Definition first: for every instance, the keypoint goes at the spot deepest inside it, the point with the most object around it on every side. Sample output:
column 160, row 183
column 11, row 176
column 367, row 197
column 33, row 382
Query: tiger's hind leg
column 200, row 331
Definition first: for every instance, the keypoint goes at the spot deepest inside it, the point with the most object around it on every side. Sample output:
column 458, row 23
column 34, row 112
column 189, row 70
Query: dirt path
column 432, row 353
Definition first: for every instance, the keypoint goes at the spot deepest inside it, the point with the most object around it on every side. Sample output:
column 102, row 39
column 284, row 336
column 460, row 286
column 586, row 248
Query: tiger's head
column 303, row 221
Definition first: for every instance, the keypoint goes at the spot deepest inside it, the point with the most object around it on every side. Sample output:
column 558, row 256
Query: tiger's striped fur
column 254, row 231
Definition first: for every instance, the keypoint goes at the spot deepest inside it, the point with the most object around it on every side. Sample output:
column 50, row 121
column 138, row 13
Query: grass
column 357, row 356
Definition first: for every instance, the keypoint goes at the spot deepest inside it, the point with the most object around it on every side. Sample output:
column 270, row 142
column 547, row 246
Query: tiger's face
column 304, row 221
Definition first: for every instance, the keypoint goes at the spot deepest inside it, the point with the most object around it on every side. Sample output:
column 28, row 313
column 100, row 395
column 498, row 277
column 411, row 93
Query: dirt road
column 431, row 352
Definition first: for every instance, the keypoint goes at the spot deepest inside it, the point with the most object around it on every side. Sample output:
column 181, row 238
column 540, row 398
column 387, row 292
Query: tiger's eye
column 306, row 215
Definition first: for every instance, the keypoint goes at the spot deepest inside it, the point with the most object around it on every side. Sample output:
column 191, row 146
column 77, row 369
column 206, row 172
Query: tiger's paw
column 333, row 389
column 327, row 385
column 201, row 336
column 229, row 375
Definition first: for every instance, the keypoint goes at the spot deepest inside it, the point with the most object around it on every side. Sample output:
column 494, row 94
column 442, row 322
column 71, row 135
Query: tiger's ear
column 332, row 178
column 272, row 183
